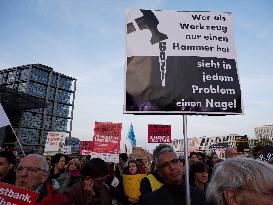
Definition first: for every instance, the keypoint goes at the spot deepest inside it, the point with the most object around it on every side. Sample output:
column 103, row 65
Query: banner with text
column 16, row 196
column 181, row 62
column 107, row 157
column 159, row 134
column 55, row 142
column 107, row 137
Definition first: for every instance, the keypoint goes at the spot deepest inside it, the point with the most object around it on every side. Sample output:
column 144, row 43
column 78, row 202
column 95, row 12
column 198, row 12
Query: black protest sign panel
column 242, row 144
column 181, row 62
column 266, row 155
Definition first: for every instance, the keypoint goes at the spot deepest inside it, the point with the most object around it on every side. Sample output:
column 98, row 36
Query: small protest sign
column 159, row 134
column 107, row 137
column 86, row 147
column 55, row 142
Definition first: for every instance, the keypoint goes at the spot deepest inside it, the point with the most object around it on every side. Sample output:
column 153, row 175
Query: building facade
column 58, row 90
column 264, row 132
column 217, row 144
column 178, row 145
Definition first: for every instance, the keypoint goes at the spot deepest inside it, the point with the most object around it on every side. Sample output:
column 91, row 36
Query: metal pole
column 20, row 145
column 187, row 182
column 72, row 111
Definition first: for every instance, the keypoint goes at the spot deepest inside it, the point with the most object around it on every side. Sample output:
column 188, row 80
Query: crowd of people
column 74, row 180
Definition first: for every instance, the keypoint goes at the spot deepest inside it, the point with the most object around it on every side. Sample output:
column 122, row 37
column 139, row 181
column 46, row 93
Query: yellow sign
column 131, row 184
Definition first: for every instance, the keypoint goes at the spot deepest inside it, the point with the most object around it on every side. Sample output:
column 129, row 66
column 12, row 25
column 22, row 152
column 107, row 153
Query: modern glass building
column 58, row 91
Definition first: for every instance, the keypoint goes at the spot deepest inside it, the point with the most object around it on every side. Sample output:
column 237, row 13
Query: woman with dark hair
column 133, row 169
column 199, row 175
column 194, row 157
column 91, row 190
column 58, row 175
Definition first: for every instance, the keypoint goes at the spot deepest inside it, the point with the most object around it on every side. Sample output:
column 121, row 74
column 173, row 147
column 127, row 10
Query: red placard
column 14, row 195
column 86, row 147
column 107, row 137
column 159, row 134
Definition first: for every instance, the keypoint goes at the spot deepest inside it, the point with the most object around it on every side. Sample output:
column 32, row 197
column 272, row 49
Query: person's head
column 58, row 161
column 257, row 150
column 230, row 152
column 214, row 158
column 123, row 157
column 241, row 181
column 95, row 169
column 7, row 163
column 32, row 171
column 199, row 175
column 74, row 164
column 133, row 167
column 194, row 156
column 169, row 166
column 201, row 156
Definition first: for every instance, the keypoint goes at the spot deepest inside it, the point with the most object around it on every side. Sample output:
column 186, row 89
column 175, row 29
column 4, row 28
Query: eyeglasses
column 168, row 164
column 29, row 169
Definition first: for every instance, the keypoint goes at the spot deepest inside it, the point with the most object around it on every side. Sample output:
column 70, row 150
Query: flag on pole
column 131, row 136
column 4, row 120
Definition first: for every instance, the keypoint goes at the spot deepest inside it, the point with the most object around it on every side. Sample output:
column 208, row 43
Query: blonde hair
column 76, row 162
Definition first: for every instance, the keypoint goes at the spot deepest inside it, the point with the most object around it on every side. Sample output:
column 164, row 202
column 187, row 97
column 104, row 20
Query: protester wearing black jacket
column 7, row 164
column 173, row 195
column 173, row 191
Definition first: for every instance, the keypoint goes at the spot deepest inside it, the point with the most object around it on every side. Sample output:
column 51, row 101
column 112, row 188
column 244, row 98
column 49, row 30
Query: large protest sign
column 107, row 137
column 55, row 142
column 181, row 62
column 16, row 196
column 159, row 134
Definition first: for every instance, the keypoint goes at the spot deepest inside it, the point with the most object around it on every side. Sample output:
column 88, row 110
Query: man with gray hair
column 173, row 191
column 241, row 181
column 32, row 173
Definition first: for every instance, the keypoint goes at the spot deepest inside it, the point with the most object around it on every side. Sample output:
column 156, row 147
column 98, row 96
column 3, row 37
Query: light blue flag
column 131, row 136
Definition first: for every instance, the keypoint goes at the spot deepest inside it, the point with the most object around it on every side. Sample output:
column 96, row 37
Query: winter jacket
column 49, row 196
column 78, row 196
column 173, row 195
